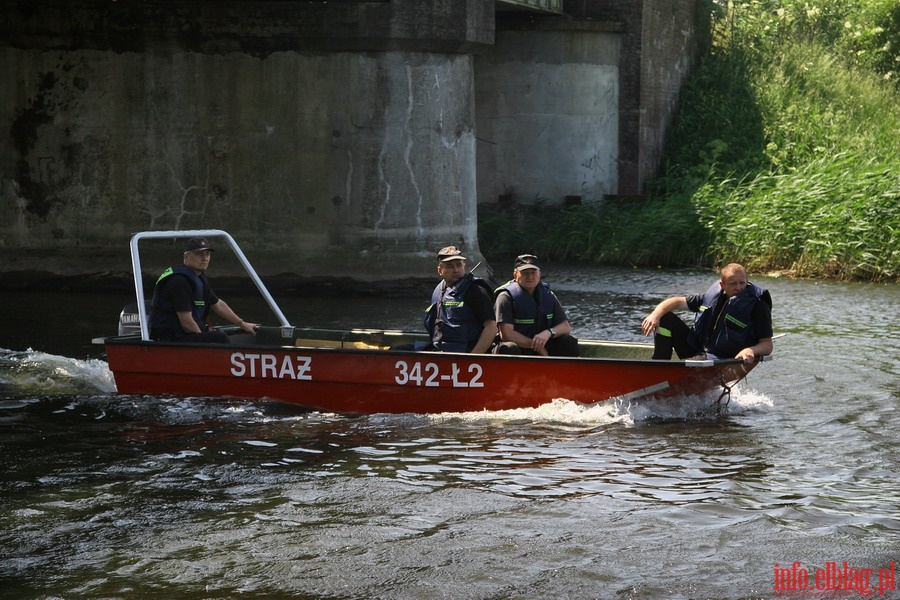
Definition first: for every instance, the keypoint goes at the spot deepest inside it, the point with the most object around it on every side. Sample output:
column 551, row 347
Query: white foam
column 621, row 411
column 52, row 374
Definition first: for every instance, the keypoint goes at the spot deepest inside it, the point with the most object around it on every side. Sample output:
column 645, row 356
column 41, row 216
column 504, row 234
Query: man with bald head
column 733, row 320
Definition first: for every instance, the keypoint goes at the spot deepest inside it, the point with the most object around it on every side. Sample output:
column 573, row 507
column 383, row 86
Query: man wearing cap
column 530, row 317
column 183, row 298
column 461, row 315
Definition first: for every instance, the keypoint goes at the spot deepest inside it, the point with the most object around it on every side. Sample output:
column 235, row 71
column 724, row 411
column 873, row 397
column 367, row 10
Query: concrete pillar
column 402, row 162
column 547, row 103
column 333, row 140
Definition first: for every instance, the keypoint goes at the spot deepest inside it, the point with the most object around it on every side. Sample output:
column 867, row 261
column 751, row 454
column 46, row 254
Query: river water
column 106, row 496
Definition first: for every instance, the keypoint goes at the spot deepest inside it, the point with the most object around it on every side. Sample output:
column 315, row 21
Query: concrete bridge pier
column 402, row 162
column 332, row 139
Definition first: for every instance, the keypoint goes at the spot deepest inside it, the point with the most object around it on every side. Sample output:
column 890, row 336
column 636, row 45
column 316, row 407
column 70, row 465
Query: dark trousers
column 672, row 335
column 564, row 345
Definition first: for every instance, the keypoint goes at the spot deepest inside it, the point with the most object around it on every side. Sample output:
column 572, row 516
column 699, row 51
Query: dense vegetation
column 785, row 155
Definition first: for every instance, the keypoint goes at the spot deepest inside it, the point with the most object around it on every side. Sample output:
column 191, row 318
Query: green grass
column 595, row 234
column 785, row 156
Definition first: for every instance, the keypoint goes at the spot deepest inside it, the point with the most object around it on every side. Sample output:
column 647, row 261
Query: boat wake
column 31, row 371
column 623, row 411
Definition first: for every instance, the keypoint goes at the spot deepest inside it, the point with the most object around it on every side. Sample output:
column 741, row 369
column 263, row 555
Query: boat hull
column 350, row 380
column 356, row 370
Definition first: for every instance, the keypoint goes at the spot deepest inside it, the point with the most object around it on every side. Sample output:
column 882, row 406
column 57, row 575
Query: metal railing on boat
column 190, row 233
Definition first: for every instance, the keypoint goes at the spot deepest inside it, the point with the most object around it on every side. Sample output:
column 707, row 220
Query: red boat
column 354, row 371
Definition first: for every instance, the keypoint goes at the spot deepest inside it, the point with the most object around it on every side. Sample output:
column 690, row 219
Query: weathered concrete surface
column 332, row 139
column 339, row 164
column 547, row 102
column 659, row 41
column 580, row 105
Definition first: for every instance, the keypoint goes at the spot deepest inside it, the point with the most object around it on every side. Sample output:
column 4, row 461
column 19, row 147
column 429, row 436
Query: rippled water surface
column 106, row 496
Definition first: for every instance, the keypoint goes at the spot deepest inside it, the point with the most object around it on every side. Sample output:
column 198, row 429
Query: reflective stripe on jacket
column 451, row 324
column 530, row 317
column 734, row 330
column 164, row 320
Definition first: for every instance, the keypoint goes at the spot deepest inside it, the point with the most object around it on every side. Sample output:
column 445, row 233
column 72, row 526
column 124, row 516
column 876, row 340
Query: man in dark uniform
column 734, row 320
column 461, row 315
column 530, row 317
column 183, row 298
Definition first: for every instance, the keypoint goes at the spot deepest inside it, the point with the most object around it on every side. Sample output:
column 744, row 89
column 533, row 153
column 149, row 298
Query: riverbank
column 783, row 157
column 669, row 233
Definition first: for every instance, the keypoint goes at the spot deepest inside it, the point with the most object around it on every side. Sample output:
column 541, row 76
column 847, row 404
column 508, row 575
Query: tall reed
column 785, row 156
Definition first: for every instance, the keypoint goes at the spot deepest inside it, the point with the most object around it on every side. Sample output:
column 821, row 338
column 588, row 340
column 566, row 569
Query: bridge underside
column 339, row 137
column 544, row 6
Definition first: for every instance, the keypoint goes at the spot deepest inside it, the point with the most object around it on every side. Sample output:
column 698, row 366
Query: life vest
column 526, row 318
column 163, row 319
column 457, row 329
column 734, row 330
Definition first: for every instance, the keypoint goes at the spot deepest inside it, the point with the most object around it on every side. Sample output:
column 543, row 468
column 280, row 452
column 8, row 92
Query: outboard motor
column 130, row 319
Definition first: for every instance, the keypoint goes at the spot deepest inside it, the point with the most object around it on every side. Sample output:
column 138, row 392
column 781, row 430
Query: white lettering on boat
column 430, row 375
column 269, row 366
